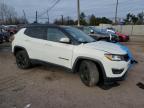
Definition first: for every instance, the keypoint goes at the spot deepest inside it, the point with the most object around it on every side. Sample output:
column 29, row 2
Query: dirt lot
column 54, row 87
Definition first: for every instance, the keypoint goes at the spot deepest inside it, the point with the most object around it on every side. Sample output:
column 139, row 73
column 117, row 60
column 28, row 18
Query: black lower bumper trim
column 106, row 79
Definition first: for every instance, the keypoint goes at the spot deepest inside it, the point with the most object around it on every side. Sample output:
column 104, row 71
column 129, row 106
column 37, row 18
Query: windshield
column 79, row 35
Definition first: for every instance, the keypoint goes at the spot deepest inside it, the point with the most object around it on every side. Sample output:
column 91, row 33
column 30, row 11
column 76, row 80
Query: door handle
column 26, row 40
column 48, row 45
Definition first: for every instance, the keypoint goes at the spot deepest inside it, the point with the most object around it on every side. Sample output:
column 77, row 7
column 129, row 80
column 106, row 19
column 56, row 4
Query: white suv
column 73, row 49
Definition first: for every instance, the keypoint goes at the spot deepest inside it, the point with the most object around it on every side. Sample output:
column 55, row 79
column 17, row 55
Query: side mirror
column 65, row 40
column 92, row 31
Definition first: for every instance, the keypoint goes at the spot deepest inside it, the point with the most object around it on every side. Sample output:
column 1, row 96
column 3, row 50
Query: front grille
column 126, row 57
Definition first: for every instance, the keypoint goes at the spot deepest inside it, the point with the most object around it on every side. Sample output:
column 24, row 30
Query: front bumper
column 121, row 72
column 108, row 79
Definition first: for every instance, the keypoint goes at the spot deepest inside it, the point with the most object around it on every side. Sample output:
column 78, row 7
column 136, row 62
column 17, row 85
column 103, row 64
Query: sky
column 99, row 8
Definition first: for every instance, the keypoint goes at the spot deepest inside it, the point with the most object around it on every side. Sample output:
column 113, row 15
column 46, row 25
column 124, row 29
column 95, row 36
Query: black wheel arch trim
column 92, row 59
column 20, row 48
column 105, row 78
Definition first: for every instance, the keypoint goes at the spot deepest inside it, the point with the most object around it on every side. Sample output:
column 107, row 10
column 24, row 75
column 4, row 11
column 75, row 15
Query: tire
column 22, row 60
column 121, row 39
column 7, row 39
column 89, row 74
column 11, row 33
column 1, row 41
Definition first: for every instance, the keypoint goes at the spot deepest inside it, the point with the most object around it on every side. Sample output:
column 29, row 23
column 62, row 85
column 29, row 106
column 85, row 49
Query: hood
column 100, row 35
column 107, row 47
column 120, row 34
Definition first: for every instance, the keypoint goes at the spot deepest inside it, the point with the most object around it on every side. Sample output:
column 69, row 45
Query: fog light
column 117, row 71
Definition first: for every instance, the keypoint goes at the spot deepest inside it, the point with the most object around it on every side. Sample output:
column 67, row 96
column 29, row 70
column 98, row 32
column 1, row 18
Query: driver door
column 57, row 52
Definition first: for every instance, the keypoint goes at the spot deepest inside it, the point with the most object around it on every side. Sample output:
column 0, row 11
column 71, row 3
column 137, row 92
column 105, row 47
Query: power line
column 121, row 9
column 127, row 2
column 57, row 1
column 51, row 1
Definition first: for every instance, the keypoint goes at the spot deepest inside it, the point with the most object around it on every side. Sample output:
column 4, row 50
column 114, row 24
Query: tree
column 106, row 20
column 140, row 18
column 96, row 21
column 127, row 20
column 92, row 20
column 82, row 19
column 134, row 19
column 71, row 22
column 66, row 21
column 131, row 19
column 8, row 15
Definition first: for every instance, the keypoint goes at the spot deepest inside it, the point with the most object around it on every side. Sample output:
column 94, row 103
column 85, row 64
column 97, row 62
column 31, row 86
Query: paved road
column 5, row 47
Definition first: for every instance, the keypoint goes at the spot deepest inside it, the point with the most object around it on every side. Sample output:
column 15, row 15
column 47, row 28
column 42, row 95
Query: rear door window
column 36, row 32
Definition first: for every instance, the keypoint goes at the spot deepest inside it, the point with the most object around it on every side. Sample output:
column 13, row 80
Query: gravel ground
column 49, row 86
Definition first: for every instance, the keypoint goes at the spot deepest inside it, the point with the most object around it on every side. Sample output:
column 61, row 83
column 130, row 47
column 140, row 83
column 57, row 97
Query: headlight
column 114, row 57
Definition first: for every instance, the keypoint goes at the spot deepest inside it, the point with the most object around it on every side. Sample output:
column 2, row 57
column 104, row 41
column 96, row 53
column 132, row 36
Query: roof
column 42, row 25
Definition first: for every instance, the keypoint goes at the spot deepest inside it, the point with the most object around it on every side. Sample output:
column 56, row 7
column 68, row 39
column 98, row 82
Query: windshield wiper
column 87, row 42
column 83, row 41
column 94, row 41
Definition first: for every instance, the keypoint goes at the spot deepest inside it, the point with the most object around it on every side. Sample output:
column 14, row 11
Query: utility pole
column 68, row 19
column 36, row 17
column 142, row 17
column 48, row 16
column 116, row 11
column 25, row 19
column 62, row 19
column 78, row 11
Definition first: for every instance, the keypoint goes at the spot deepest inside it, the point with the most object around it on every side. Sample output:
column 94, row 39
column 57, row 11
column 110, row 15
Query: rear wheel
column 89, row 73
column 23, row 60
column 1, row 41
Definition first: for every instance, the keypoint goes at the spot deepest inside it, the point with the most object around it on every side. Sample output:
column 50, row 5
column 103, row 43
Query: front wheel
column 22, row 60
column 89, row 73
